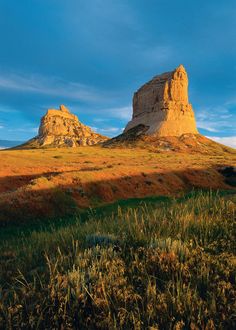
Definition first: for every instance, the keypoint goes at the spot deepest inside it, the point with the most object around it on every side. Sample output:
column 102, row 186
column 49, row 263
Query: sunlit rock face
column 162, row 105
column 62, row 128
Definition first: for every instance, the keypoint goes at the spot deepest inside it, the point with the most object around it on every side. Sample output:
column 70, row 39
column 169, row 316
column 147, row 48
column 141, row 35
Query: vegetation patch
column 165, row 266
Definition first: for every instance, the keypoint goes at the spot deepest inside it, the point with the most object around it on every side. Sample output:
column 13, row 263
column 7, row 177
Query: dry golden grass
column 164, row 265
column 45, row 182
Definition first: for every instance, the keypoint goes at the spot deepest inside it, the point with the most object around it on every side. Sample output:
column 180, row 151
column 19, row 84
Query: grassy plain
column 95, row 238
column 52, row 182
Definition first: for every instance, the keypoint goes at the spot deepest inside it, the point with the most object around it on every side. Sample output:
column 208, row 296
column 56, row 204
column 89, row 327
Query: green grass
column 155, row 264
column 38, row 224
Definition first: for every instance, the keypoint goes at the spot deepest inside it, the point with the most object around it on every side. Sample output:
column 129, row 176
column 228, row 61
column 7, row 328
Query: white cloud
column 232, row 101
column 207, row 126
column 100, row 120
column 110, row 131
column 228, row 141
column 1, row 126
column 7, row 109
column 50, row 86
column 24, row 129
column 215, row 119
column 123, row 113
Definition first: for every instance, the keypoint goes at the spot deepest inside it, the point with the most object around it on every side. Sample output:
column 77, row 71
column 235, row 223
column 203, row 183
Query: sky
column 91, row 55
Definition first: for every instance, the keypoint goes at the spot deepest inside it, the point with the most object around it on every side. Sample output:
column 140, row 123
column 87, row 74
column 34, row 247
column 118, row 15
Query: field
column 54, row 182
column 95, row 238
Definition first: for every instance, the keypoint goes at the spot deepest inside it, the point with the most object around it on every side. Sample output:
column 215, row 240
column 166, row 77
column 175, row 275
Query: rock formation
column 60, row 128
column 162, row 106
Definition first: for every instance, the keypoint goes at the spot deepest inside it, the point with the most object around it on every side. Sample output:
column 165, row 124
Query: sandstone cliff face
column 60, row 128
column 162, row 106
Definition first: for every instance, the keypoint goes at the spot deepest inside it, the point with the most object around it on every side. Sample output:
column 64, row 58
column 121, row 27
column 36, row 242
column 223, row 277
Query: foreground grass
column 168, row 266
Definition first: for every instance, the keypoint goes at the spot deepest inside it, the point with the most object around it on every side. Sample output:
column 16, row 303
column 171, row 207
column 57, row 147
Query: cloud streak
column 53, row 86
column 109, row 131
column 216, row 119
column 24, row 129
column 123, row 113
column 228, row 141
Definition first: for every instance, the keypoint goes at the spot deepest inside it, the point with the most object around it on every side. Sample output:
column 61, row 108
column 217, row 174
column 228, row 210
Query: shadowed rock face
column 162, row 105
column 60, row 128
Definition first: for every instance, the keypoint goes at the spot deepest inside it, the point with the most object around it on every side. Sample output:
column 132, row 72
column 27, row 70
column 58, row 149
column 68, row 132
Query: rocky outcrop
column 60, row 128
column 162, row 106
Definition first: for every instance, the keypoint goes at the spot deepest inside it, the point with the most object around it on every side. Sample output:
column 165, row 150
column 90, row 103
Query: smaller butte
column 61, row 128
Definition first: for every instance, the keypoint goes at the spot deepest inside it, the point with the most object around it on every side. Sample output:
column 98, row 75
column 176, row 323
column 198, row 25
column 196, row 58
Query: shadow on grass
column 62, row 205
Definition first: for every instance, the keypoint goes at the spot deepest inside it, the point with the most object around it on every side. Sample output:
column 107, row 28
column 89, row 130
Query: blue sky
column 91, row 55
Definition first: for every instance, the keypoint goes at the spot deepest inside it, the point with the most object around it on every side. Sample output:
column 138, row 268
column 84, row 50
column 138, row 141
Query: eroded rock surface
column 162, row 105
column 60, row 128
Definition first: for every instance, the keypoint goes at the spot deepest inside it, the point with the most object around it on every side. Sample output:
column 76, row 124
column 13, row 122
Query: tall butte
column 164, row 119
column 60, row 128
column 162, row 106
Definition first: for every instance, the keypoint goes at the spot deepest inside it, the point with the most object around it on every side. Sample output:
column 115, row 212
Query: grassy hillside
column 162, row 264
